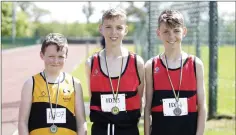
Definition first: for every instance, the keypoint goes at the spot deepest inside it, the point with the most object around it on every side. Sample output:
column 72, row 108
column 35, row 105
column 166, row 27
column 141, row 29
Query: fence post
column 150, row 51
column 213, row 58
column 13, row 22
column 198, row 17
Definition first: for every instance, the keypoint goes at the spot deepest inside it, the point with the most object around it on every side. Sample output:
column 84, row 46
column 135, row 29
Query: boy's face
column 171, row 37
column 54, row 60
column 113, row 30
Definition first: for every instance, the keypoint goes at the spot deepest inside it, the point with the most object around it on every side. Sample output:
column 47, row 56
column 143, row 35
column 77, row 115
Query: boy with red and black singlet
column 175, row 92
column 116, row 81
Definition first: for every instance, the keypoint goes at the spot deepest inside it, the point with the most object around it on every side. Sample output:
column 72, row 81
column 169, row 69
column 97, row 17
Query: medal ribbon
column 180, row 80
column 115, row 95
column 49, row 96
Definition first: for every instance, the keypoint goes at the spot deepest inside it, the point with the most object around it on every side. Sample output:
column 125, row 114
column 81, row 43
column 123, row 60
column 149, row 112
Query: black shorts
column 102, row 129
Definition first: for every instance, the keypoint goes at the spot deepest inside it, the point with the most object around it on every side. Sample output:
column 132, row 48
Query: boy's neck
column 53, row 76
column 173, row 54
column 114, row 51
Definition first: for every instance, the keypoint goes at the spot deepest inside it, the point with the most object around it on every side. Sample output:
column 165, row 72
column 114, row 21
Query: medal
column 53, row 128
column 115, row 110
column 177, row 111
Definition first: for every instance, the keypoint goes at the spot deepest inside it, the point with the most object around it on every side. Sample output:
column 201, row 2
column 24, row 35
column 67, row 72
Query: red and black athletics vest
column 169, row 125
column 129, row 82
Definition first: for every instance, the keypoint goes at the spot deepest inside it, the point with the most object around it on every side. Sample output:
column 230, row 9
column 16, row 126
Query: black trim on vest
column 194, row 66
column 33, row 85
column 64, row 76
column 39, row 119
column 153, row 78
column 73, row 82
column 92, row 59
column 158, row 95
column 136, row 67
column 116, row 76
column 173, row 68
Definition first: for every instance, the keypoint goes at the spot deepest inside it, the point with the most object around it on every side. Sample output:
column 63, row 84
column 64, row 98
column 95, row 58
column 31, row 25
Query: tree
column 34, row 12
column 23, row 25
column 38, row 13
column 88, row 11
column 25, row 6
column 6, row 18
column 135, row 12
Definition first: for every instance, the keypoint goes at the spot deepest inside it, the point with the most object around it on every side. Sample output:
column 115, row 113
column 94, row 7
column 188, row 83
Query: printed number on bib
column 60, row 116
column 172, row 108
column 108, row 102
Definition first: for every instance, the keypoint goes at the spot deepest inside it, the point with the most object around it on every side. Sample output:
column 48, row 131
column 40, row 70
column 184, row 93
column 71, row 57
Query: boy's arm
column 25, row 107
column 140, row 67
column 201, row 101
column 149, row 94
column 88, row 72
column 79, row 109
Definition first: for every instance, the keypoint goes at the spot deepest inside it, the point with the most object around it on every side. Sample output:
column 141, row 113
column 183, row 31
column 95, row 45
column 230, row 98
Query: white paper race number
column 108, row 102
column 60, row 115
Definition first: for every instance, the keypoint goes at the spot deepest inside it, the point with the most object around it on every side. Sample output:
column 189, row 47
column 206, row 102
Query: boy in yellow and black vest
column 52, row 100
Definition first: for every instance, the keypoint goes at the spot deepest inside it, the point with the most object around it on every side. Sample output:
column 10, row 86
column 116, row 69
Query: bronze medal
column 53, row 129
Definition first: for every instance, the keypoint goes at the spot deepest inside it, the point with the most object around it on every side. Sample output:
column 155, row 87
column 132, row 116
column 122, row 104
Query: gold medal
column 115, row 110
column 53, row 128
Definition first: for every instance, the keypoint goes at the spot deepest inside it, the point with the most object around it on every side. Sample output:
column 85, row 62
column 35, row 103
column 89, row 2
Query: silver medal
column 177, row 111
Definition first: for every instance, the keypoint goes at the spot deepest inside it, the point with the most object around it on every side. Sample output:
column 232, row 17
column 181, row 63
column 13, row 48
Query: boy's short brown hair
column 113, row 13
column 55, row 39
column 172, row 18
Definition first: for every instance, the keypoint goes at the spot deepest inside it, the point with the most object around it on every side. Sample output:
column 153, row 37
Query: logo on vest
column 42, row 95
column 66, row 91
column 67, row 96
column 95, row 73
column 156, row 70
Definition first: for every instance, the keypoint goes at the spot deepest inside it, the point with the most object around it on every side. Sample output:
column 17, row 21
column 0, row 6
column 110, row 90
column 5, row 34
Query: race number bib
column 171, row 108
column 108, row 102
column 60, row 115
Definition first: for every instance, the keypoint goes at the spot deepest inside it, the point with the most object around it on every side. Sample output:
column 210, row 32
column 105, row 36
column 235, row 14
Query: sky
column 67, row 12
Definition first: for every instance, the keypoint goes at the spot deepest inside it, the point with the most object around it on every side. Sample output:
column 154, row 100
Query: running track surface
column 20, row 64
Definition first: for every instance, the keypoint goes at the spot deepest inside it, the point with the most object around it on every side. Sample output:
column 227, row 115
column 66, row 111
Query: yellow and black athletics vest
column 39, row 120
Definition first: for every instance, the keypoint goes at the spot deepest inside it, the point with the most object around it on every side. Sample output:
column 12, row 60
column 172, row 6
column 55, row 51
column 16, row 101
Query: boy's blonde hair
column 113, row 13
column 172, row 18
column 55, row 39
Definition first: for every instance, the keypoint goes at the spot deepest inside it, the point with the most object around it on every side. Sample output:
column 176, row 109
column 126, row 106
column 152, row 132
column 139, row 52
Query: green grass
column 79, row 73
column 226, row 87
